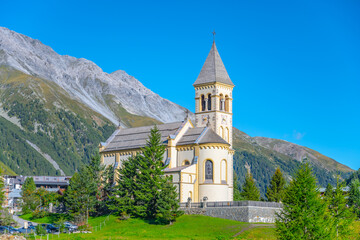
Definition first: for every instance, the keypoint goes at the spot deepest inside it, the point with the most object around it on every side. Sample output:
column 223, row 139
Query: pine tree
column 303, row 213
column 342, row 217
column 354, row 196
column 143, row 190
column 236, row 194
column 122, row 201
column 2, row 185
column 275, row 192
column 329, row 191
column 249, row 189
column 81, row 196
column 29, row 200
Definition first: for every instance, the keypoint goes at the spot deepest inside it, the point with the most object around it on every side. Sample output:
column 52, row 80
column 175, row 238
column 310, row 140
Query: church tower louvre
column 213, row 96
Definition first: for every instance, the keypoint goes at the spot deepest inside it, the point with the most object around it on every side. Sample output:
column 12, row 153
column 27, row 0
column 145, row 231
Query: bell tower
column 213, row 96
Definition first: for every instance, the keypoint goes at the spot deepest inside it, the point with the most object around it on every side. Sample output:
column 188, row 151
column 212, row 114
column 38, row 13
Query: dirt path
column 254, row 226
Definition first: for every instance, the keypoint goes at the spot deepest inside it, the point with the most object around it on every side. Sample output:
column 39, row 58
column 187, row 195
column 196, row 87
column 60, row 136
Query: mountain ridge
column 67, row 110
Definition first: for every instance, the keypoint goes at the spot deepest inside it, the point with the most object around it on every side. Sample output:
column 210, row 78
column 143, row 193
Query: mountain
column 264, row 155
column 55, row 110
column 84, row 81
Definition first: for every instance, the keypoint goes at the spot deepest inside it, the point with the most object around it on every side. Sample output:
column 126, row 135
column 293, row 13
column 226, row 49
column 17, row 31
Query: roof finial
column 214, row 33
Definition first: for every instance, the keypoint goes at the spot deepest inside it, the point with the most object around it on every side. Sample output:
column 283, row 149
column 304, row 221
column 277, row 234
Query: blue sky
column 295, row 64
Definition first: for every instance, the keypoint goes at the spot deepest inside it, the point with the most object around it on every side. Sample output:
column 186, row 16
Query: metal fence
column 231, row 204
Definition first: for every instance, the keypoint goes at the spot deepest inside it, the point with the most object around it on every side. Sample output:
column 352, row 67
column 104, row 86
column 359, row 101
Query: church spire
column 213, row 70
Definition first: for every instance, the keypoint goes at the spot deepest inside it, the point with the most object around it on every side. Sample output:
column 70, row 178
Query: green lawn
column 186, row 227
column 52, row 218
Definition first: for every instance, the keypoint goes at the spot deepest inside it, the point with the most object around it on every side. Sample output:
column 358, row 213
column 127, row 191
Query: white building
column 199, row 156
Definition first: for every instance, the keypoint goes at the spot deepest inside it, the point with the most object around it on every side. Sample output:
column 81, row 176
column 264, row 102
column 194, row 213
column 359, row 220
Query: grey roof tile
column 211, row 137
column 134, row 138
column 200, row 135
column 213, row 69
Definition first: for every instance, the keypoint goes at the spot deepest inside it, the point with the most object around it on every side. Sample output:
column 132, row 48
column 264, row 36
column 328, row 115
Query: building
column 13, row 186
column 199, row 155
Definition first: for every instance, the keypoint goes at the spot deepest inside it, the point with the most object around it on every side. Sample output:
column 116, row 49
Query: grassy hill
column 37, row 111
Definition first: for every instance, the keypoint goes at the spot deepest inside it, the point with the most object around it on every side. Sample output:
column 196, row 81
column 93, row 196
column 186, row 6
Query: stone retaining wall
column 253, row 214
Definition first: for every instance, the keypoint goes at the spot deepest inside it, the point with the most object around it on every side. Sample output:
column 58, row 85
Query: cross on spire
column 214, row 33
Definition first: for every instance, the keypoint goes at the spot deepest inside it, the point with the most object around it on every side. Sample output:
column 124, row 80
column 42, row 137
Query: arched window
column 190, row 180
column 209, row 171
column 186, row 162
column 209, row 101
column 227, row 103
column 203, row 103
column 223, row 172
column 221, row 131
column 221, row 102
column 226, row 134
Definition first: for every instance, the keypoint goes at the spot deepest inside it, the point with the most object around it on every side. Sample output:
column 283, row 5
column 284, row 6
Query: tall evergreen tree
column 81, row 196
column 354, row 196
column 249, row 189
column 2, row 185
column 275, row 192
column 303, row 213
column 122, row 201
column 29, row 200
column 143, row 190
column 341, row 215
column 329, row 191
column 236, row 194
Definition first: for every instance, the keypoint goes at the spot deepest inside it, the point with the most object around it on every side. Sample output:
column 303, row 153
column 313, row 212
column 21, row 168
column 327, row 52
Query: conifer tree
column 275, row 192
column 354, row 196
column 249, row 189
column 143, row 190
column 29, row 200
column 122, row 201
column 329, row 191
column 303, row 213
column 236, row 194
column 2, row 185
column 81, row 196
column 341, row 215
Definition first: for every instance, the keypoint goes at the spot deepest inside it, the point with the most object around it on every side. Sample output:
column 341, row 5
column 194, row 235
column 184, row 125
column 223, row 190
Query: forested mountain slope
column 55, row 110
column 264, row 155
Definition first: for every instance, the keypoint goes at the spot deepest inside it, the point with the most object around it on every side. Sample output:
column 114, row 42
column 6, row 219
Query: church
column 199, row 156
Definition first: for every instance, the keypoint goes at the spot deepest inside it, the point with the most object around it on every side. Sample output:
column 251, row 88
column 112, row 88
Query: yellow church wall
column 217, row 190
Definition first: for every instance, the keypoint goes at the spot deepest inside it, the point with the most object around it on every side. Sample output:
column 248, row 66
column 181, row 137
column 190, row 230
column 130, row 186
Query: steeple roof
column 213, row 70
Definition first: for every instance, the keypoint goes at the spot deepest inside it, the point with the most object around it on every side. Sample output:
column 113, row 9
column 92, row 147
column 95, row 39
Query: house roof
column 213, row 70
column 134, row 138
column 200, row 135
column 209, row 136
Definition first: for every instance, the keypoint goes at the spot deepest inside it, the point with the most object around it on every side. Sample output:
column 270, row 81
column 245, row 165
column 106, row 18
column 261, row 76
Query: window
column 221, row 102
column 226, row 134
column 222, row 132
column 186, row 162
column 190, row 180
column 227, row 100
column 208, row 171
column 209, row 102
column 203, row 104
column 223, row 172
